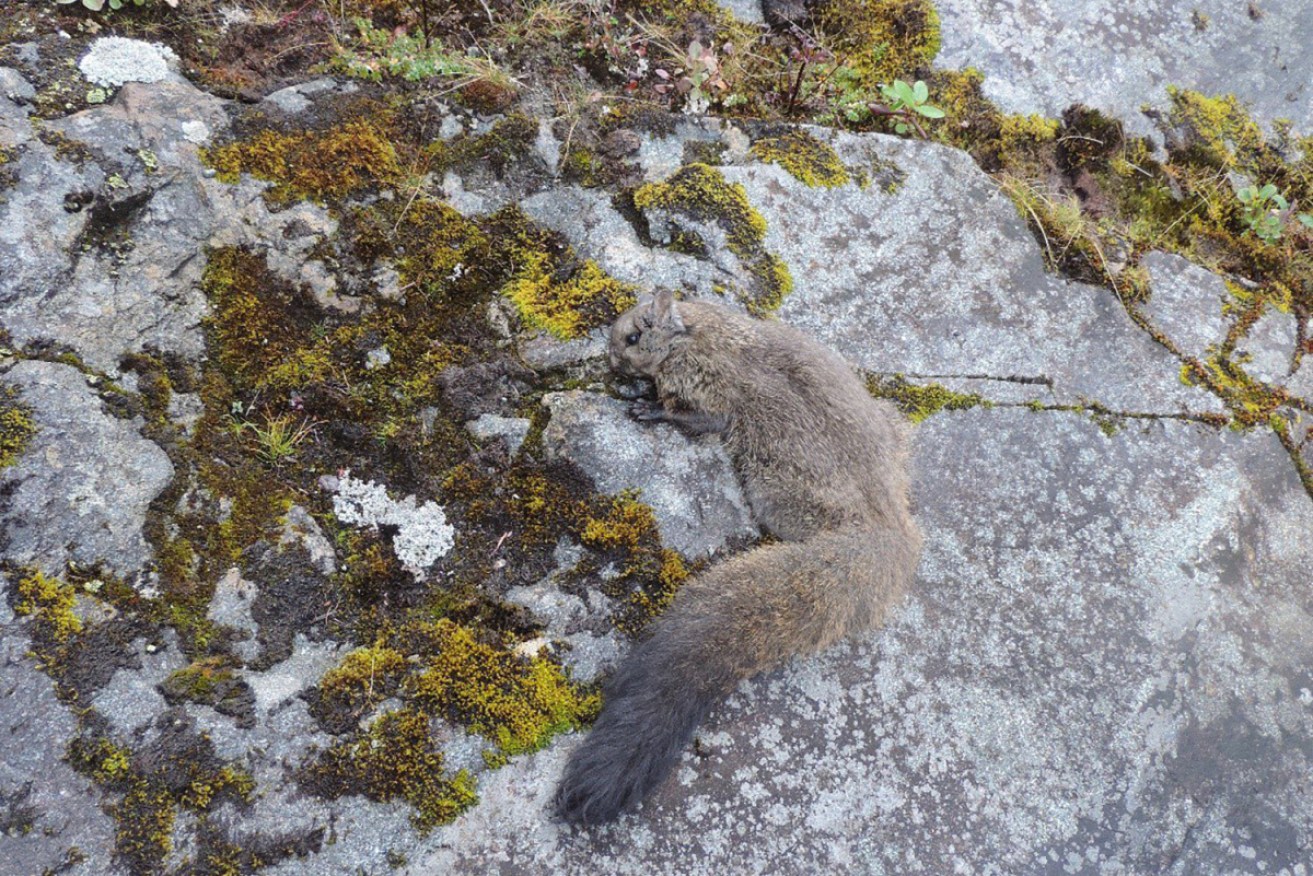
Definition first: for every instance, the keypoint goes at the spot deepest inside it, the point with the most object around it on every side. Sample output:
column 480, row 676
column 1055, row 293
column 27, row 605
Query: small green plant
column 1305, row 219
column 906, row 103
column 380, row 53
column 1262, row 211
column 279, row 438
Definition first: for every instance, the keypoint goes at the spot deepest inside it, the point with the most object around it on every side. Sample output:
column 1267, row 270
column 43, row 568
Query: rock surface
column 1103, row 668
column 1115, row 57
column 1124, row 692
column 81, row 491
column 689, row 485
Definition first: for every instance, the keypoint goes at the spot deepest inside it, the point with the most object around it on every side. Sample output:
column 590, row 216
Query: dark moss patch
column 507, row 142
column 212, row 682
column 177, row 769
column 396, row 759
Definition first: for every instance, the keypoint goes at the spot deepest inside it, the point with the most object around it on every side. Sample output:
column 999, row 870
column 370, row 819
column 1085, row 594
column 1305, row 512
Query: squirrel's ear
column 665, row 312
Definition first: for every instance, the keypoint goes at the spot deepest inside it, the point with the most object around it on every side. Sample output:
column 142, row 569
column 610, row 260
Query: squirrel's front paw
column 647, row 411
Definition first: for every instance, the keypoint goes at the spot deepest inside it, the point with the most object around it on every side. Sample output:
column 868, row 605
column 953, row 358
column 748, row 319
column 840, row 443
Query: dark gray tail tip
column 586, row 802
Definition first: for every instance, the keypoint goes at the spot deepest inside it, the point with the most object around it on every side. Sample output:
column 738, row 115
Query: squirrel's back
column 824, row 467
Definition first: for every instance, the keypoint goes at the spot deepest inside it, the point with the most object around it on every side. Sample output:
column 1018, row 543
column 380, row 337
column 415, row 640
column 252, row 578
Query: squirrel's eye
column 632, row 338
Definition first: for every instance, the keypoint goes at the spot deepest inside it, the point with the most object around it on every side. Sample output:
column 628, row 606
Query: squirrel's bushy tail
column 739, row 618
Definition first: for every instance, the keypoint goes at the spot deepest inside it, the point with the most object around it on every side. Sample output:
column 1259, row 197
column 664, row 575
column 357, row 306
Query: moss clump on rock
column 397, row 759
column 807, row 159
column 701, row 193
column 882, row 39
column 519, row 704
column 921, row 401
column 16, row 427
column 331, row 164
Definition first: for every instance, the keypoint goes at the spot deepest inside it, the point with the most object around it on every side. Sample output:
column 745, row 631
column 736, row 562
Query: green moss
column 16, row 427
column 257, row 323
column 1214, row 130
column 882, row 40
column 702, row 194
column 558, row 307
column 519, row 704
column 807, row 159
column 397, row 759
column 920, row 401
column 145, row 819
column 508, row 141
column 50, row 603
column 650, row 575
column 1249, row 402
column 550, row 287
column 364, row 678
column 100, row 759
column 349, row 158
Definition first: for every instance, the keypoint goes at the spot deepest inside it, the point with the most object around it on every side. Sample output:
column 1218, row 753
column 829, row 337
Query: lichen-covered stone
column 82, row 489
column 698, row 504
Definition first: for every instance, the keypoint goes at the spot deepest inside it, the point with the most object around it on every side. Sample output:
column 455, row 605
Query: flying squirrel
column 824, row 468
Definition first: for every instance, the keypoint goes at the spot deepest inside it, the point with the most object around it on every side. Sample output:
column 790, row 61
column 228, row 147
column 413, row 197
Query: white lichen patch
column 423, row 535
column 113, row 61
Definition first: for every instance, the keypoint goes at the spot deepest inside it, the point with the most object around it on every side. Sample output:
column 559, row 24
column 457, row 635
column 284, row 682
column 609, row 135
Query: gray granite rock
column 81, row 490
column 51, row 814
column 942, row 277
column 513, row 429
column 65, row 276
column 1268, row 348
column 1116, row 56
column 698, row 503
column 1186, row 303
column 1102, row 669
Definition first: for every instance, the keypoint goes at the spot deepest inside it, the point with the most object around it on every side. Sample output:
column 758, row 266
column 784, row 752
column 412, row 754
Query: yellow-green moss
column 346, row 159
column 364, row 678
column 16, row 427
column 882, row 40
column 920, row 401
column 1215, row 128
column 145, row 819
column 397, row 758
column 551, row 288
column 651, row 575
column 204, row 790
column 102, row 760
column 1249, row 402
column 256, row 323
column 559, row 307
column 808, row 160
column 702, row 193
column 516, row 703
column 50, row 602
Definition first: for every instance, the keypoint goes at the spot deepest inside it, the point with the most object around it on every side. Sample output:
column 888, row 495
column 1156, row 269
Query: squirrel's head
column 645, row 334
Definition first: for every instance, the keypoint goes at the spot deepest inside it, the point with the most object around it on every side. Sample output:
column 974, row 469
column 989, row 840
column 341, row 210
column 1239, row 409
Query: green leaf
column 1267, row 191
column 1281, row 202
column 1246, row 194
column 94, row 5
column 920, row 91
column 901, row 128
column 904, row 92
column 1305, row 219
column 930, row 112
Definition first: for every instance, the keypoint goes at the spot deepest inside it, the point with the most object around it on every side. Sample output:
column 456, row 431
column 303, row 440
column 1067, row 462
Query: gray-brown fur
column 823, row 465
